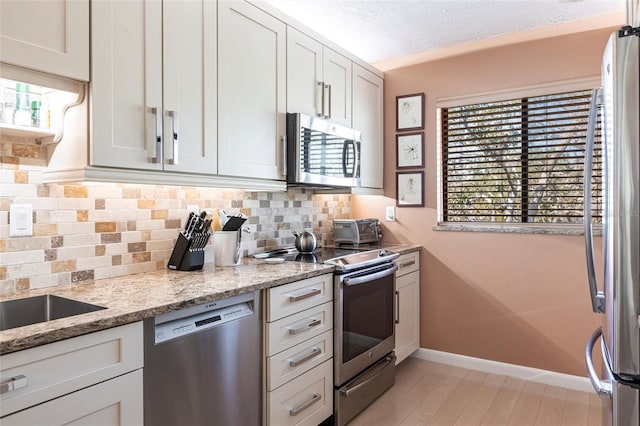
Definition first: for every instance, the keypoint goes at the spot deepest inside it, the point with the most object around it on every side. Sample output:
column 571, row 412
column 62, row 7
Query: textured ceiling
column 378, row 30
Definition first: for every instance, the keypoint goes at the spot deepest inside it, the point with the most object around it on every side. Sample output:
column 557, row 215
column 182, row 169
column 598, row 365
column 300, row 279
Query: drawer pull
column 298, row 297
column 315, row 352
column 14, row 383
column 408, row 263
column 315, row 398
column 314, row 322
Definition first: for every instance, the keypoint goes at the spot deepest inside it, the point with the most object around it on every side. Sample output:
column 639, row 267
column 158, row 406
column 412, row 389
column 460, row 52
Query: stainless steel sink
column 32, row 310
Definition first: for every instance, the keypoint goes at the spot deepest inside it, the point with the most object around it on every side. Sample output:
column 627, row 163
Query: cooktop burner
column 344, row 258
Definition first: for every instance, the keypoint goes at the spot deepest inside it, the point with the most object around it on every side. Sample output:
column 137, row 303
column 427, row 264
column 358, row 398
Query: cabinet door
column 51, row 36
column 304, row 74
column 337, row 75
column 368, row 118
column 115, row 402
column 189, row 85
column 407, row 315
column 251, row 92
column 126, row 83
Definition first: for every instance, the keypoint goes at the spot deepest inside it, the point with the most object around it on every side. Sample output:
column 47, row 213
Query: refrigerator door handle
column 602, row 387
column 597, row 296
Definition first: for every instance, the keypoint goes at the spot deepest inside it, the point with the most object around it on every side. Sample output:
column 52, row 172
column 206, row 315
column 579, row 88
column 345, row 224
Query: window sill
column 517, row 229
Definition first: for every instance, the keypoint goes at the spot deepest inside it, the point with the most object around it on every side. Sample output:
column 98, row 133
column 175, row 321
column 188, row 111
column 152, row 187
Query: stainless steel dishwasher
column 202, row 365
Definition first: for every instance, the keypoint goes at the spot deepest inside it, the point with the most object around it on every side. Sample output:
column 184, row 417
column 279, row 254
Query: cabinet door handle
column 175, row 142
column 14, row 383
column 326, row 100
column 298, row 297
column 315, row 398
column 158, row 137
column 329, row 108
column 397, row 307
column 296, row 362
column 314, row 322
column 320, row 99
column 408, row 263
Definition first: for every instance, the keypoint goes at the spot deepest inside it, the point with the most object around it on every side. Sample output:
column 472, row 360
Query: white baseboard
column 518, row 371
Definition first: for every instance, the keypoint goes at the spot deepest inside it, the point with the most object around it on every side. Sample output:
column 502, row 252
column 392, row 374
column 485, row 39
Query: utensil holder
column 226, row 248
column 188, row 252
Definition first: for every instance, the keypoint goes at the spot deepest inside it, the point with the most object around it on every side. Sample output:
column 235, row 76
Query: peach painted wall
column 514, row 298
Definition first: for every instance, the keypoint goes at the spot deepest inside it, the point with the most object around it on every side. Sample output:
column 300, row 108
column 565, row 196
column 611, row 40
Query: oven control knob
column 370, row 354
column 382, row 253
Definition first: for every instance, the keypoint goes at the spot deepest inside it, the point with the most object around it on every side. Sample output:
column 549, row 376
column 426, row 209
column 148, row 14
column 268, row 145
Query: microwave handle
column 356, row 158
column 345, row 148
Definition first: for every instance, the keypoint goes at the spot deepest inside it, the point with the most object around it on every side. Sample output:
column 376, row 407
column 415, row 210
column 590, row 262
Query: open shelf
column 39, row 134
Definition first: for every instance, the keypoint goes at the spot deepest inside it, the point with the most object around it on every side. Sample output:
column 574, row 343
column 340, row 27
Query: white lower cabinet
column 306, row 400
column 299, row 352
column 91, row 379
column 407, row 305
column 114, row 402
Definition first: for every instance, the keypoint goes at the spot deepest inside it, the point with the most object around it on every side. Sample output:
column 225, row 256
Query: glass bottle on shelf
column 22, row 115
column 9, row 105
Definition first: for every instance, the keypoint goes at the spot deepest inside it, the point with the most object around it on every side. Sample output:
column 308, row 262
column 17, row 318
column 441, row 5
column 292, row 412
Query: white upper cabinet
column 153, row 85
column 252, row 92
column 304, row 74
column 368, row 118
column 51, row 36
column 318, row 79
column 337, row 82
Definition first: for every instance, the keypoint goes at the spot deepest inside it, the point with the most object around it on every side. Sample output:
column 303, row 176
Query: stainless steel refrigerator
column 618, row 296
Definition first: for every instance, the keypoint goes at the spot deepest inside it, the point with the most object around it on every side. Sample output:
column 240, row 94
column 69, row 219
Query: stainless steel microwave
column 321, row 153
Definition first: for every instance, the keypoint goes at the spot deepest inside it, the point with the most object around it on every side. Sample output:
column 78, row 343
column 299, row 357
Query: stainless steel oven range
column 364, row 336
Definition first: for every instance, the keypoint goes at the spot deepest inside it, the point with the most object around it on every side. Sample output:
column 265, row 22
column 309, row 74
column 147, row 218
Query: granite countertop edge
column 133, row 298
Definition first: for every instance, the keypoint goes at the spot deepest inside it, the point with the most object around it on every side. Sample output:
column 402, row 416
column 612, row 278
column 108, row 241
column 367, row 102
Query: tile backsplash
column 83, row 232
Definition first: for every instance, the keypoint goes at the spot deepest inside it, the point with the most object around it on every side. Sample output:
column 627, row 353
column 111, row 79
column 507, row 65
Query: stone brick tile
column 72, row 191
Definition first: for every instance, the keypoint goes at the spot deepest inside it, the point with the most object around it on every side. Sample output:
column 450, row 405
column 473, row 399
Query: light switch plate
column 20, row 220
column 390, row 214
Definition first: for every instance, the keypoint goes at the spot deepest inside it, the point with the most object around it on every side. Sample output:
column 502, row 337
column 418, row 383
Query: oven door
column 364, row 319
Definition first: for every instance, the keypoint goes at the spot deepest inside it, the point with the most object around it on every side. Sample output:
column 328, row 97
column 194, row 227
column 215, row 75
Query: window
column 518, row 161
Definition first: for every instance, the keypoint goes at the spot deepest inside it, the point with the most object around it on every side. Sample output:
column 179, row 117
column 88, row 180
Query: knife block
column 184, row 257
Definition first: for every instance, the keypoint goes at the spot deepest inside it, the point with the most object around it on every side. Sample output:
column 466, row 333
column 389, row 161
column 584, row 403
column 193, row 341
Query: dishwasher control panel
column 201, row 321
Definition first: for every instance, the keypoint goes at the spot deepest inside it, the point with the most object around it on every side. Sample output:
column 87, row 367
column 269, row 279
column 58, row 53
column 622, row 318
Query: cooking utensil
column 305, row 242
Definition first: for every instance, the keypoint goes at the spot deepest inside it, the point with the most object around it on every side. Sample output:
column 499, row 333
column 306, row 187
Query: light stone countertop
column 136, row 297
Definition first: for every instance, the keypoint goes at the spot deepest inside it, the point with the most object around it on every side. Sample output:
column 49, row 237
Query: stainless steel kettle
column 305, row 242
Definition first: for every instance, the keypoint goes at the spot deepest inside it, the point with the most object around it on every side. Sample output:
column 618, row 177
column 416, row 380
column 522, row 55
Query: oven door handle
column 371, row 375
column 370, row 277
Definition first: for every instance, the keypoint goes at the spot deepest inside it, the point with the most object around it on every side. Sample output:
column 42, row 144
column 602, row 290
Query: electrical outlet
column 21, row 220
column 390, row 214
column 193, row 208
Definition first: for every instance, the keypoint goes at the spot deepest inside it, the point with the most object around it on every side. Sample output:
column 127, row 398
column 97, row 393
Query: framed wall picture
column 410, row 112
column 410, row 189
column 410, row 150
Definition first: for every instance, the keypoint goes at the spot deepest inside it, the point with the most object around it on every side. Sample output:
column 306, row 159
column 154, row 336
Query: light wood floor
column 426, row 393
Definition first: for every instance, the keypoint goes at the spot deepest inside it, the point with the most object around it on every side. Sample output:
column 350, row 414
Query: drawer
column 408, row 263
column 289, row 364
column 297, row 328
column 58, row 368
column 306, row 400
column 300, row 295
column 117, row 401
